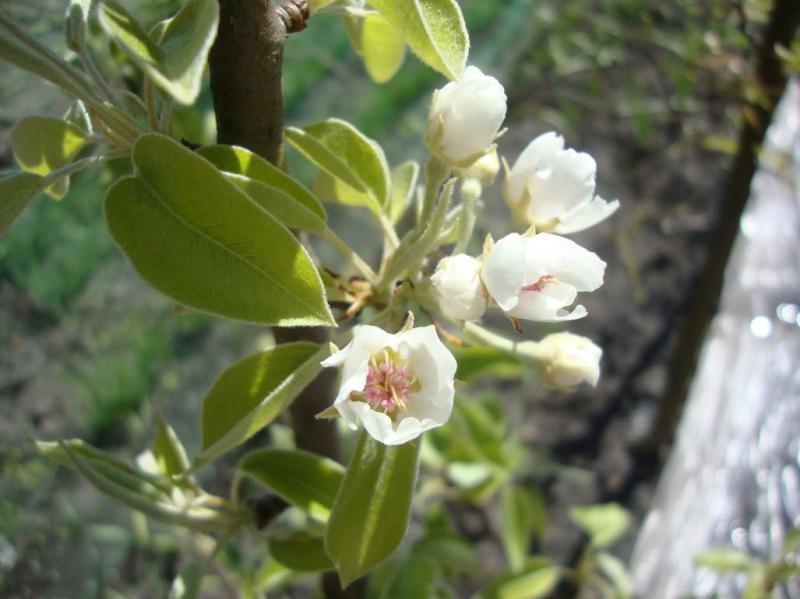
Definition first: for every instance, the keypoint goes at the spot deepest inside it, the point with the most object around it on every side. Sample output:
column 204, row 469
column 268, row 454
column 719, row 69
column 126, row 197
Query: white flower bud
column 484, row 169
column 395, row 386
column 566, row 360
column 465, row 118
column 458, row 287
column 553, row 188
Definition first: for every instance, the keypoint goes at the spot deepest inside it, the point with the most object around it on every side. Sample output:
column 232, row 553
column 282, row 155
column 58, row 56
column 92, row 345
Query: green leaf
column 476, row 361
column 15, row 193
column 304, row 479
column 382, row 47
column 615, row 571
column 536, row 579
column 301, row 553
column 603, row 523
column 434, row 29
column 279, row 204
column 168, row 451
column 370, row 516
column 404, row 187
column 315, row 5
column 177, row 62
column 196, row 237
column 522, row 516
column 240, row 161
column 348, row 156
column 252, row 393
column 186, row 584
column 724, row 559
column 791, row 541
column 42, row 145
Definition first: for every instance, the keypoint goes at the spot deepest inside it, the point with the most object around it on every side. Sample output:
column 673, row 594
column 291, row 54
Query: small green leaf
column 348, row 156
column 522, row 516
column 536, row 579
column 434, row 29
column 186, row 584
column 724, row 559
column 198, row 238
column 240, row 161
column 382, row 47
column 15, row 193
column 304, row 479
column 404, row 187
column 168, row 451
column 252, row 393
column 301, row 553
column 615, row 571
column 42, row 145
column 603, row 523
column 177, row 62
column 370, row 516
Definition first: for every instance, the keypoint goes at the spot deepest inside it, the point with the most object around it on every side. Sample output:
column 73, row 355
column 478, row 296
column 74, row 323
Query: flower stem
column 436, row 173
column 522, row 349
column 349, row 253
column 470, row 193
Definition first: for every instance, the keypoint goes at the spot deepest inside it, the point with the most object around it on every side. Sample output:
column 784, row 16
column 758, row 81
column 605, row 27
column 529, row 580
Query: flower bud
column 567, row 360
column 465, row 118
column 484, row 169
column 458, row 287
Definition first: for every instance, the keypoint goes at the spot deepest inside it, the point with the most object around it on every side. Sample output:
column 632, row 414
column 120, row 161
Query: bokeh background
column 653, row 90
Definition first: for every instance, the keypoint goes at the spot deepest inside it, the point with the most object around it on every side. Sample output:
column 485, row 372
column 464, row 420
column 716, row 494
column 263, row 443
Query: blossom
column 484, row 169
column 458, row 287
column 566, row 360
column 395, row 386
column 553, row 188
column 539, row 277
column 465, row 117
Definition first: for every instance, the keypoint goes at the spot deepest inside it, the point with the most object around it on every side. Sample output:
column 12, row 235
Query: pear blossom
column 458, row 287
column 539, row 277
column 554, row 188
column 465, row 118
column 566, row 360
column 396, row 386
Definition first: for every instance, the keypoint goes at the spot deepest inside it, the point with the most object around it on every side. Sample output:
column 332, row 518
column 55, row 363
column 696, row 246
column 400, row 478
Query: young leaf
column 522, row 515
column 615, row 571
column 168, row 451
column 304, row 479
column 724, row 559
column 42, row 145
column 177, row 62
column 434, row 29
column 15, row 193
column 404, row 186
column 346, row 154
column 240, row 161
column 370, row 516
column 196, row 237
column 251, row 393
column 382, row 48
column 301, row 553
column 186, row 584
column 536, row 579
column 603, row 523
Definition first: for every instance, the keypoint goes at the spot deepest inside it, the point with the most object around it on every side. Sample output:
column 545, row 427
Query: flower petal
column 568, row 261
column 539, row 150
column 561, row 183
column 586, row 215
column 504, row 271
column 546, row 305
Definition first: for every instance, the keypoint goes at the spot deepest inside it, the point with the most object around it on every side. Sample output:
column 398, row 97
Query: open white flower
column 567, row 360
column 395, row 386
column 553, row 188
column 458, row 287
column 465, row 117
column 539, row 277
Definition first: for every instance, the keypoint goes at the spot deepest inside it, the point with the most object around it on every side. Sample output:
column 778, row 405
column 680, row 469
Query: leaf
column 522, row 516
column 42, row 145
column 241, row 161
column 477, row 361
column 304, row 479
column 615, row 571
column 370, row 516
column 168, row 451
column 347, row 155
column 315, row 5
column 404, row 186
column 251, row 393
column 434, row 29
column 724, row 559
column 196, row 237
column 186, row 584
column 536, row 579
column 382, row 48
column 301, row 553
column 15, row 193
column 604, row 523
column 177, row 62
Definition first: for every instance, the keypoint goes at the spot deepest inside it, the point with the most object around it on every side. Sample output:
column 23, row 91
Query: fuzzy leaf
column 168, row 451
column 404, row 186
column 382, row 47
column 15, row 193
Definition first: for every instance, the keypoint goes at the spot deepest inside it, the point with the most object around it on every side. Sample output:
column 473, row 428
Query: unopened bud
column 566, row 360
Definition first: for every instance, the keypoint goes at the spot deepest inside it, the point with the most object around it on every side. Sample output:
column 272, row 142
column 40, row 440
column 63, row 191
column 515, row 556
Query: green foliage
column 537, row 578
column 169, row 454
column 603, row 523
column 301, row 553
column 381, row 47
column 404, row 187
column 15, row 193
column 523, row 515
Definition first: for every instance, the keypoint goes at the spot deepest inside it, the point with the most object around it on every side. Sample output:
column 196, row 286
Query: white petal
column 569, row 262
column 435, row 367
column 504, row 271
column 560, row 183
column 540, row 149
column 586, row 215
column 546, row 305
column 458, row 287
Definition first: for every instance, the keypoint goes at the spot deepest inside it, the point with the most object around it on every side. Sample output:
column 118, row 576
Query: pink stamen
column 539, row 285
column 388, row 386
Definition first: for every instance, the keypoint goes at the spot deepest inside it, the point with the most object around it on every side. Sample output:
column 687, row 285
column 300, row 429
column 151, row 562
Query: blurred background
column 653, row 91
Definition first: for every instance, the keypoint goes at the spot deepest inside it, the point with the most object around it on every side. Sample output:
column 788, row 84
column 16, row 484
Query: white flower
column 566, row 360
column 395, row 386
column 465, row 117
column 537, row 278
column 553, row 188
column 459, row 289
